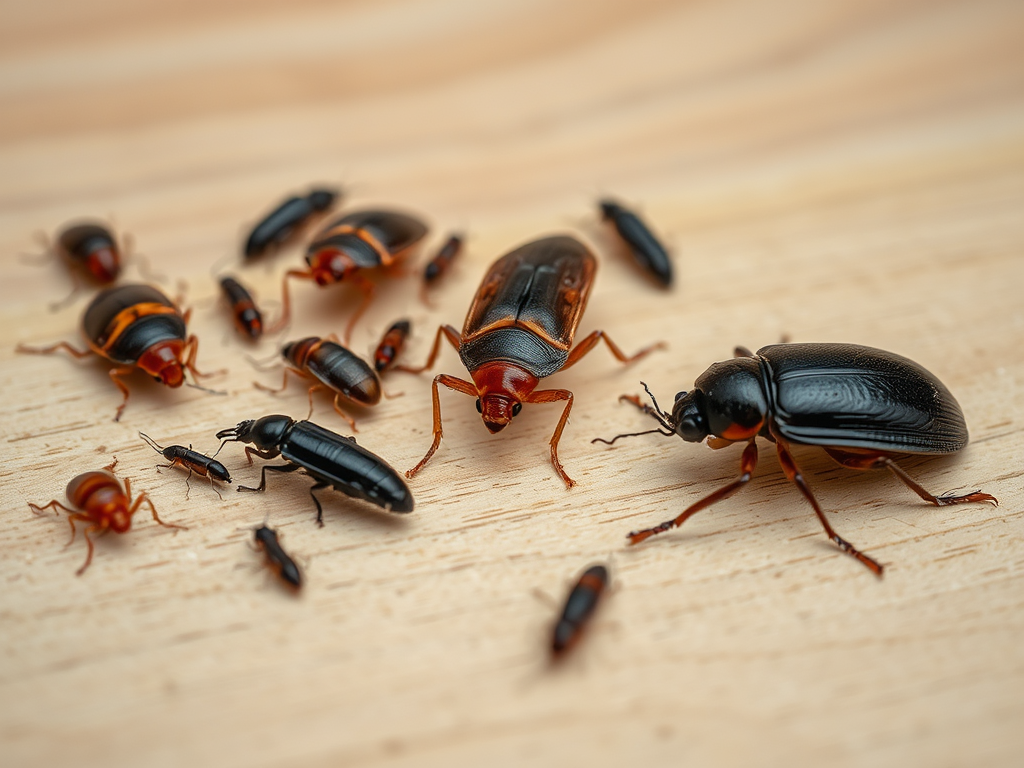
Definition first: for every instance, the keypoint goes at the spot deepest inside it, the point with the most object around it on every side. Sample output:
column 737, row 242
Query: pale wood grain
column 841, row 172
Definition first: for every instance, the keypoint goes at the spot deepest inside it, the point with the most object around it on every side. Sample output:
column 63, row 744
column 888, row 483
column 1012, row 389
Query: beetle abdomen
column 347, row 466
column 517, row 346
column 345, row 372
column 847, row 395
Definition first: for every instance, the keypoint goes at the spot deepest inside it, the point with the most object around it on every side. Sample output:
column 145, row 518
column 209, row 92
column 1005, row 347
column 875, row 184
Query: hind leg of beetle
column 552, row 396
column 143, row 498
column 796, row 477
column 338, row 410
column 88, row 541
column 284, row 382
column 286, row 299
column 443, row 331
column 115, row 376
column 76, row 287
column 190, row 352
column 877, row 460
column 368, row 290
column 591, row 341
column 748, row 463
column 319, row 507
column 263, row 476
column 78, row 354
column 54, row 505
column 451, row 382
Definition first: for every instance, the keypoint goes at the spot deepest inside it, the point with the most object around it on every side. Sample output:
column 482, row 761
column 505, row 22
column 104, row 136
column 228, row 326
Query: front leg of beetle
column 465, row 387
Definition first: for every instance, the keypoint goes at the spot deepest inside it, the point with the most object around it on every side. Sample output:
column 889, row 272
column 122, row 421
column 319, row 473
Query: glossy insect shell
column 529, row 305
column 93, row 247
column 328, row 457
column 278, row 225
column 579, row 607
column 101, row 496
column 126, row 322
column 647, row 251
column 248, row 319
column 841, row 395
column 279, row 559
column 337, row 367
column 361, row 234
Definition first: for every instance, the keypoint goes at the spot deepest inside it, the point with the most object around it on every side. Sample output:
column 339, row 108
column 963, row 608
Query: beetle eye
column 516, row 409
column 680, row 394
column 692, row 428
column 479, row 408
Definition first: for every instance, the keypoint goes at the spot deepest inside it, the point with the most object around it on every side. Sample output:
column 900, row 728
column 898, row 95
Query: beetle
column 135, row 326
column 89, row 249
column 391, row 345
column 279, row 561
column 520, row 329
column 193, row 461
column 287, row 220
column 101, row 501
column 329, row 458
column 579, row 607
column 334, row 367
column 442, row 260
column 648, row 252
column 248, row 318
column 863, row 406
column 349, row 246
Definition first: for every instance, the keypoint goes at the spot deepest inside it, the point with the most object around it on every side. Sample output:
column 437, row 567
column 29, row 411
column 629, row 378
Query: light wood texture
column 825, row 171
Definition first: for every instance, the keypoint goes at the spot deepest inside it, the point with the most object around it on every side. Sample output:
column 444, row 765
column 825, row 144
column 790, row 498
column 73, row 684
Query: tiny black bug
column 863, row 406
column 193, row 461
column 287, row 220
column 279, row 561
column 648, row 252
column 579, row 607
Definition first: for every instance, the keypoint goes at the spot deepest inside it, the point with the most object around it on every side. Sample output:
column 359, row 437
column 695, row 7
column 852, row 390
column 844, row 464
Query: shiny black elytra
column 193, row 461
column 330, row 459
column 863, row 406
column 648, row 252
column 281, row 224
column 579, row 607
column 247, row 316
column 278, row 560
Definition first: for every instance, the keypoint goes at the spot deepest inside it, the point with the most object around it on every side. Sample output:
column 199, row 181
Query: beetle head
column 266, row 433
column 104, row 265
column 497, row 410
column 120, row 520
column 162, row 361
column 731, row 399
column 329, row 265
column 689, row 418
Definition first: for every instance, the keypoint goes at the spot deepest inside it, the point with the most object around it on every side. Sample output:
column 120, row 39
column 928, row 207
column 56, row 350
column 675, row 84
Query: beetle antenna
column 262, row 364
column 632, row 434
column 152, row 443
column 657, row 408
column 205, row 389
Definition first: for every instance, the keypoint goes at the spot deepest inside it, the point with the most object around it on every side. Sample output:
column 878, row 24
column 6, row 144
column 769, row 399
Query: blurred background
column 845, row 171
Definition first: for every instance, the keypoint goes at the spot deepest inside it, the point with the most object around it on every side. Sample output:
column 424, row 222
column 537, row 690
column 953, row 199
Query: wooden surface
column 827, row 171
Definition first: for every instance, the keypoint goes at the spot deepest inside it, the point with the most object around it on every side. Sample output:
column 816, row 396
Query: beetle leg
column 319, row 508
column 551, row 396
column 286, row 299
column 115, row 374
column 263, row 475
column 76, row 286
column 748, row 462
column 78, row 354
column 877, row 460
column 71, row 521
column 250, row 451
column 454, row 338
column 369, row 290
column 451, row 382
column 793, row 473
column 54, row 505
column 143, row 498
column 88, row 540
column 284, row 383
column 191, row 350
column 591, row 341
column 340, row 412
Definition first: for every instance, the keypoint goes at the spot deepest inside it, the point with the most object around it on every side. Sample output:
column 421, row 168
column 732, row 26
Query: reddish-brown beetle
column 349, row 246
column 520, row 329
column 103, row 503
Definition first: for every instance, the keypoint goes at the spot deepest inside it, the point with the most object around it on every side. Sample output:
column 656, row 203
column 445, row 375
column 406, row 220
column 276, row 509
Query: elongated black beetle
column 863, row 406
column 329, row 458
column 281, row 224
column 278, row 560
column 648, row 252
column 579, row 607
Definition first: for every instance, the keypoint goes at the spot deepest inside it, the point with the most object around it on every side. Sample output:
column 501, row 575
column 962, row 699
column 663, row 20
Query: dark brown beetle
column 349, row 246
column 135, row 326
column 391, row 345
column 440, row 264
column 248, row 319
column 335, row 368
column 579, row 607
column 287, row 220
column 647, row 251
column 863, row 406
column 519, row 330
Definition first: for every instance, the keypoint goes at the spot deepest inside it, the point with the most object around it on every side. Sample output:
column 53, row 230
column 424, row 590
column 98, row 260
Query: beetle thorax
column 502, row 388
column 162, row 361
column 733, row 401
